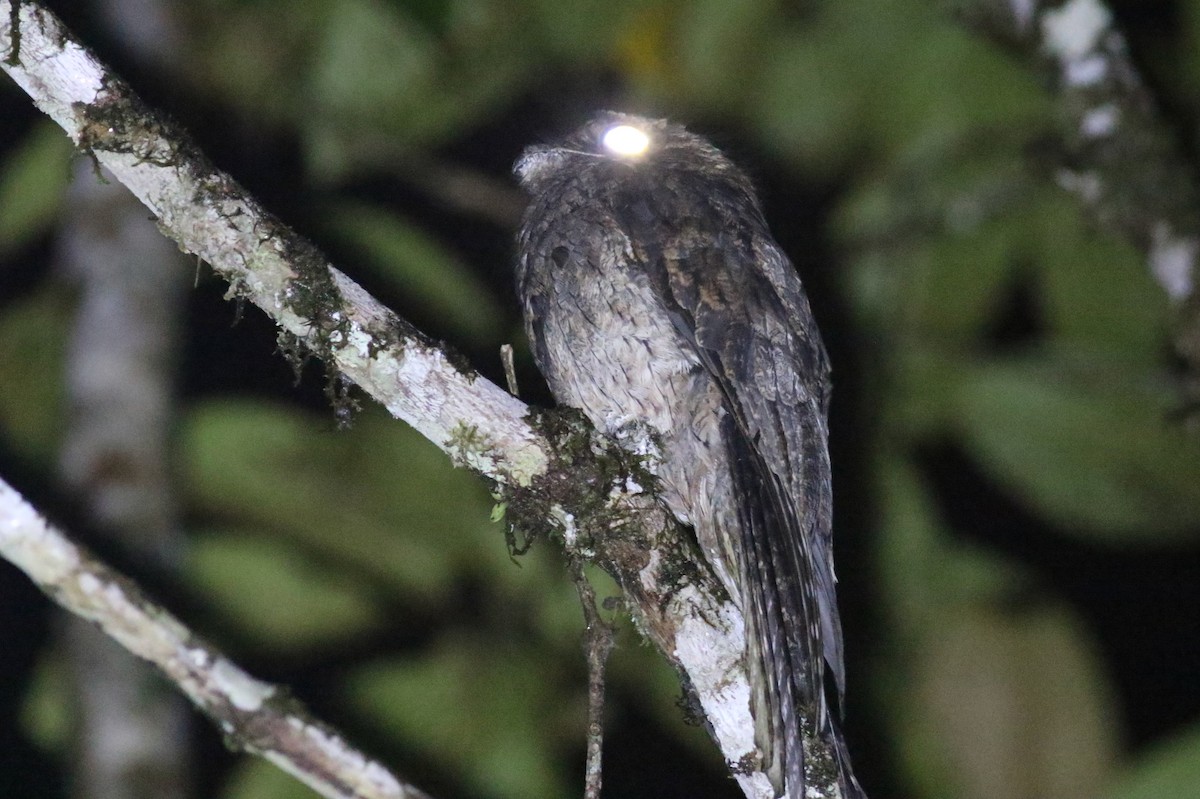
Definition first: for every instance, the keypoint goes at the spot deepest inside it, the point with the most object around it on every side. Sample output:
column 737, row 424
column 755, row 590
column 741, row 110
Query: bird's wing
column 737, row 299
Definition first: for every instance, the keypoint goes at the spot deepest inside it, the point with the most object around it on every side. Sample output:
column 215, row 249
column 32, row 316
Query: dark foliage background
column 1017, row 492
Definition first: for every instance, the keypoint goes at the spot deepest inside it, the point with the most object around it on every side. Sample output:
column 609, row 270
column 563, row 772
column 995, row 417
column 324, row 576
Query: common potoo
column 658, row 304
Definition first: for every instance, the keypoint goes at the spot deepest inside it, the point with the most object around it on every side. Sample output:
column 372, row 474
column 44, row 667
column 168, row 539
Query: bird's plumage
column 658, row 303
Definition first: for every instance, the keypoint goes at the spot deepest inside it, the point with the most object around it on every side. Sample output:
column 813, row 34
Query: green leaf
column 959, row 284
column 32, row 182
column 937, row 238
column 1096, row 291
column 33, row 343
column 832, row 111
column 913, row 534
column 582, row 31
column 419, row 265
column 1005, row 704
column 378, row 498
column 255, row 778
column 46, row 712
column 382, row 76
column 918, row 106
column 987, row 697
column 485, row 710
column 1170, row 769
column 1089, row 442
column 717, row 48
column 279, row 599
column 804, row 109
column 355, row 43
column 922, row 566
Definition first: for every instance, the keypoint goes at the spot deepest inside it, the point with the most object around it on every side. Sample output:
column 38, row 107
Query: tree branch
column 552, row 470
column 114, row 460
column 258, row 717
column 598, row 643
column 1120, row 160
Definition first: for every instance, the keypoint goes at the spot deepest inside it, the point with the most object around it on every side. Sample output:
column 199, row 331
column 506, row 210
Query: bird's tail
column 846, row 779
column 795, row 725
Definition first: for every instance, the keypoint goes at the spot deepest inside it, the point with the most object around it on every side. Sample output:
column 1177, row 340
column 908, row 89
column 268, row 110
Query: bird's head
column 615, row 145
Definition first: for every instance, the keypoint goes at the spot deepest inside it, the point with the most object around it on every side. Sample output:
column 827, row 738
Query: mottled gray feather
column 655, row 297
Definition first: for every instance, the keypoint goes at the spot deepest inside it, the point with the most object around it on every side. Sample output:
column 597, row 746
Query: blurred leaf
column 831, row 95
column 433, row 15
column 937, row 237
column 716, row 49
column 952, row 83
column 922, row 564
column 420, row 266
column 644, row 53
column 46, row 713
column 261, row 75
column 958, row 282
column 1182, row 70
column 1007, row 705
column 913, row 536
column 1096, row 291
column 873, row 279
column 485, row 710
column 32, row 182
column 990, row 696
column 360, row 77
column 921, row 384
column 436, row 81
column 823, row 75
column 378, row 498
column 255, row 778
column 280, row 600
column 358, row 41
column 1089, row 443
column 33, row 342
column 805, row 106
column 582, row 31
column 1170, row 769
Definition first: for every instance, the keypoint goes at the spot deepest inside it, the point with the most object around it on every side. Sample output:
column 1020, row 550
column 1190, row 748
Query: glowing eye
column 625, row 140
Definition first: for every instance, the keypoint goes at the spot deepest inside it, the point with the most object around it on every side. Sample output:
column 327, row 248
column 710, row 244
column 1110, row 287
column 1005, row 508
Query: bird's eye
column 625, row 141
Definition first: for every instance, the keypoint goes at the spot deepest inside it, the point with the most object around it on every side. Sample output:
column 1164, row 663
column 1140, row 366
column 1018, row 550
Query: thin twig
column 599, row 645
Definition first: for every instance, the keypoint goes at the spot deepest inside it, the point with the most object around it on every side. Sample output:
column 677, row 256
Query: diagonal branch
column 258, row 717
column 551, row 470
column 1119, row 157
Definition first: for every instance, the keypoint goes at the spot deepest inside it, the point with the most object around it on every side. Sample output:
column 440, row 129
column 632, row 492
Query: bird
column 657, row 302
